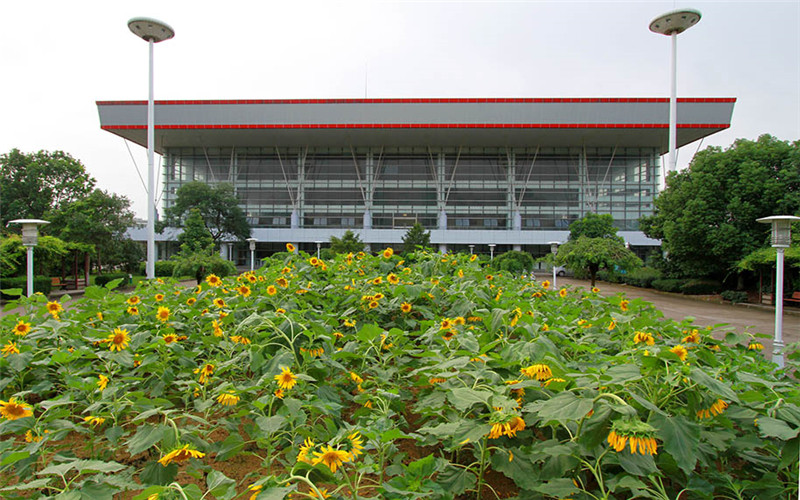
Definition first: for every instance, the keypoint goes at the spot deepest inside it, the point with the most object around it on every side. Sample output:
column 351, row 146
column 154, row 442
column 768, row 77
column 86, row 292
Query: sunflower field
column 368, row 376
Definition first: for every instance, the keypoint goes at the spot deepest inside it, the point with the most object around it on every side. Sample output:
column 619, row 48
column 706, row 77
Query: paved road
column 754, row 318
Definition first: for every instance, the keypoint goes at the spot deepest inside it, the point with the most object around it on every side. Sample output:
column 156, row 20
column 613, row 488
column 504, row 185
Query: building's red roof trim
column 499, row 100
column 417, row 126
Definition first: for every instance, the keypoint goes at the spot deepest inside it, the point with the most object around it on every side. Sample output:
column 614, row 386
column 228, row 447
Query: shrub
column 642, row 277
column 610, row 276
column 701, row 287
column 102, row 279
column 514, row 262
column 41, row 284
column 163, row 268
column 668, row 285
column 734, row 296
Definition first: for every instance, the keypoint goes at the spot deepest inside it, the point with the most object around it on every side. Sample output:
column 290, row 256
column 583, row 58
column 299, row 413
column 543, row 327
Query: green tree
column 593, row 226
column 49, row 256
column 197, row 256
column 217, row 204
column 349, row 242
column 514, row 261
column 706, row 217
column 416, row 236
column 99, row 219
column 33, row 184
column 594, row 254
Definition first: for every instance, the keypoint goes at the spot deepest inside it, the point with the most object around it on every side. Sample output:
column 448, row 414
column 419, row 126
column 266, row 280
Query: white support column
column 777, row 344
column 673, row 106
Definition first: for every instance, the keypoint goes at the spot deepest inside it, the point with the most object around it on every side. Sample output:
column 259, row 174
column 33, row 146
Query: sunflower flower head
column 180, row 455
column 332, row 457
column 643, row 338
column 286, row 379
column 118, row 340
column 305, row 451
column 205, row 372
column 54, row 308
column 716, row 408
column 638, row 435
column 10, row 348
column 21, row 328
column 228, row 399
column 162, row 314
column 102, row 382
column 388, row 253
column 213, row 280
column 14, row 409
column 539, row 371
column 680, row 351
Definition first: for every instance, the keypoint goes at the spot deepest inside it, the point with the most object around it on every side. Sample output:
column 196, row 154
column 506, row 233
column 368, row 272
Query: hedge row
column 41, row 284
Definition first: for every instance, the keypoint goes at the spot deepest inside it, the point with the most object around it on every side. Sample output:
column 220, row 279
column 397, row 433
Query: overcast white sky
column 60, row 57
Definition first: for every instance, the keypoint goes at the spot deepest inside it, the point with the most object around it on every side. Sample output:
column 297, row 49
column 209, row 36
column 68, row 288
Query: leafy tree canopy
column 706, row 217
column 217, row 204
column 33, row 184
column 197, row 256
column 593, row 226
column 416, row 236
column 99, row 219
column 594, row 254
column 349, row 242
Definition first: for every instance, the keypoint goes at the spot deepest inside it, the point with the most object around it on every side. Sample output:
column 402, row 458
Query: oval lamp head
column 676, row 21
column 151, row 29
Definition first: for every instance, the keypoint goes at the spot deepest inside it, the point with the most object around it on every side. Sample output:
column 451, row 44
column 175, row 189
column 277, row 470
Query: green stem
column 481, row 467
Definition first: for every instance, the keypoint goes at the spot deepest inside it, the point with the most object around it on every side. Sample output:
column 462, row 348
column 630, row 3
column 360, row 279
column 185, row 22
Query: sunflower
column 715, row 409
column 643, row 337
column 378, row 280
column 228, row 399
column 356, row 444
column 473, row 257
column 205, row 372
column 286, row 379
column 280, row 310
column 388, row 253
column 118, row 340
column 460, row 273
column 562, row 293
column 446, row 324
column 219, row 302
column 693, row 337
column 159, row 297
column 436, row 380
column 755, row 346
column 252, row 278
column 244, row 290
column 290, row 248
column 9, row 348
column 180, row 455
column 539, row 371
column 190, row 301
column 373, row 304
column 271, row 290
column 21, row 329
column 102, row 382
column 132, row 301
column 213, row 280
column 623, row 305
column 595, row 290
column 133, row 311
column 459, row 321
column 545, row 284
column 94, row 421
column 305, row 450
column 393, row 279
column 282, row 282
column 13, row 409
column 170, row 338
column 217, row 326
column 405, row 307
column 279, row 393
column 638, row 435
column 238, row 339
column 322, row 491
column 680, row 351
column 54, row 308
column 313, row 261
column 255, row 489
column 333, row 458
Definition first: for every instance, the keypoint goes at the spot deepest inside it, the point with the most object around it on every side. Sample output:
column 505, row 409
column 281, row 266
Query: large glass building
column 513, row 173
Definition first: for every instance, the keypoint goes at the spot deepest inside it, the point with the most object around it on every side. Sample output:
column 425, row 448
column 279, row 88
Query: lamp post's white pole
column 30, row 270
column 152, row 31
column 777, row 343
column 150, row 268
column 673, row 105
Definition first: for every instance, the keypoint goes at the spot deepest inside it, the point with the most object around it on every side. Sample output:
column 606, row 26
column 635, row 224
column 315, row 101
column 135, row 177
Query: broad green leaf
column 638, row 465
column 561, row 487
column 621, row 374
column 517, row 467
column 680, row 438
column 562, row 407
column 87, row 466
column 464, row 397
column 275, row 493
column 97, row 491
column 32, row 485
column 14, row 457
column 269, row 425
column 145, row 437
column 157, row 474
column 712, row 384
column 219, row 484
column 369, row 332
column 232, row 445
column 441, row 430
column 772, row 427
column 456, row 480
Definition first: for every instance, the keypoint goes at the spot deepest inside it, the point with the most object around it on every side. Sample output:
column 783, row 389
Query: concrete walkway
column 753, row 318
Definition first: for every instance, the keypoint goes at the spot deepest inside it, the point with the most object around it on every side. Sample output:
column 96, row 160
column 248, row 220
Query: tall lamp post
column 554, row 249
column 491, row 251
column 252, row 242
column 672, row 24
column 781, row 239
column 30, row 237
column 152, row 31
column 319, row 245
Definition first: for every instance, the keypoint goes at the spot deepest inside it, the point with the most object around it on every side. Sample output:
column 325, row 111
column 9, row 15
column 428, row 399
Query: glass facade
column 465, row 188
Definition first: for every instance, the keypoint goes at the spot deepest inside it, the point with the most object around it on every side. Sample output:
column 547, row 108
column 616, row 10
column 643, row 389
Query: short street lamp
column 252, row 242
column 152, row 31
column 471, row 249
column 319, row 245
column 781, row 238
column 554, row 249
column 30, row 237
column 491, row 251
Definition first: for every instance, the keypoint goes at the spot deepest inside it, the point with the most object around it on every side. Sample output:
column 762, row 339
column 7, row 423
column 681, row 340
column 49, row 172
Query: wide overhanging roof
column 514, row 122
